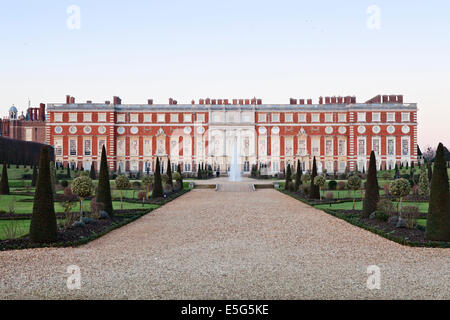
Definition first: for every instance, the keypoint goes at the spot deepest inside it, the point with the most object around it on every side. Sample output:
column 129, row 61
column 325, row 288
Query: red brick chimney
column 400, row 99
column 67, row 99
column 320, row 100
column 42, row 112
column 327, row 100
column 72, row 100
column 150, row 101
column 309, row 101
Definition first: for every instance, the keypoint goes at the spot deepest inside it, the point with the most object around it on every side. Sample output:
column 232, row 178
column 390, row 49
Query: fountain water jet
column 235, row 170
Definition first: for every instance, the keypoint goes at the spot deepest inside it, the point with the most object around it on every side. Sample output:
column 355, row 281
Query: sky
column 186, row 50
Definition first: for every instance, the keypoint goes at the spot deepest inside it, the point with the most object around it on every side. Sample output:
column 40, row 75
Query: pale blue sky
column 226, row 49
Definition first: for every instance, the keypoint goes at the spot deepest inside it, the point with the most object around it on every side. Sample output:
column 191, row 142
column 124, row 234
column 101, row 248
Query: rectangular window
column 161, row 117
column 329, row 147
column 187, row 167
column 342, row 166
column 405, row 117
column 342, row 117
column 58, row 117
column 262, row 117
column 134, row 147
column 302, row 147
column 376, row 117
column 120, row 118
column 174, row 117
column 134, row 117
column 315, row 117
column 147, row 147
column 187, row 117
column 361, row 117
column 275, row 166
column 289, row 147
column 276, row 117
column 101, row 143
column 102, row 117
column 390, row 117
column 301, row 117
column 73, row 117
column 361, row 147
column 201, row 117
column 405, row 147
column 73, row 147
column 87, row 117
column 376, row 146
column 342, row 147
column 329, row 117
column 288, row 117
column 87, row 147
column 391, row 146
column 58, row 147
column 315, row 147
column 147, row 117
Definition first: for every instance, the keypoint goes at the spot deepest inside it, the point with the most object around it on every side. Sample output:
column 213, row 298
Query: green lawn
column 27, row 207
column 423, row 206
column 19, row 227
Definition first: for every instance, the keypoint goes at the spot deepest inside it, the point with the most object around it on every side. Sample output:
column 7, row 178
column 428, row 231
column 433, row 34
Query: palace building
column 28, row 127
column 338, row 131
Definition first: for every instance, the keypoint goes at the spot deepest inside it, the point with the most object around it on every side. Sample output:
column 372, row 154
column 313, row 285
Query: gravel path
column 230, row 245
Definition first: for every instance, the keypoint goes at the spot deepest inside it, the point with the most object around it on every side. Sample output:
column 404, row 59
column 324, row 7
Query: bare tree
column 429, row 154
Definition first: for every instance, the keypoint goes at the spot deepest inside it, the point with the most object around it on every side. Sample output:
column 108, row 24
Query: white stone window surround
column 87, row 117
column 148, row 117
column 376, row 116
column 201, row 117
column 121, row 117
column 342, row 117
column 58, row 117
column 288, row 117
column 275, row 117
column 134, row 117
column 390, row 146
column 315, row 117
column 302, row 117
column 405, row 116
column 161, row 117
column 73, row 117
column 361, row 117
column 102, row 117
column 262, row 117
column 174, row 117
column 390, row 117
column 187, row 117
column 328, row 117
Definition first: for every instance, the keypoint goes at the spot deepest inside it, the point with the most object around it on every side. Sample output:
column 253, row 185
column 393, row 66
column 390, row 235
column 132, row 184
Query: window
column 201, row 117
column 391, row 146
column 134, row 117
column 134, row 147
column 376, row 117
column 72, row 117
column 342, row 147
column 87, row 147
column 120, row 118
column 361, row 117
column 58, row 147
column 58, row 117
column 101, row 143
column 405, row 146
column 289, row 147
column 329, row 147
column 187, row 167
column 342, row 117
column 329, row 117
column 361, row 147
column 174, row 117
column 301, row 117
column 288, row 117
column 187, row 117
column 275, row 166
column 147, row 147
column 342, row 166
column 376, row 146
column 302, row 147
column 147, row 117
column 87, row 117
column 391, row 116
column 276, row 117
column 315, row 147
column 405, row 117
column 102, row 117
column 161, row 117
column 73, row 147
column 262, row 117
column 315, row 117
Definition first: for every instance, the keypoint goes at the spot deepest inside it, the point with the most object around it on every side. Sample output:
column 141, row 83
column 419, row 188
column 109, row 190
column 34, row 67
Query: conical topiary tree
column 438, row 220
column 430, row 172
column 4, row 185
column 181, row 175
column 92, row 173
column 104, row 188
column 314, row 191
column 157, row 187
column 169, row 174
column 298, row 176
column 68, row 176
column 43, row 227
column 288, row 177
column 372, row 195
column 53, row 177
column 34, row 177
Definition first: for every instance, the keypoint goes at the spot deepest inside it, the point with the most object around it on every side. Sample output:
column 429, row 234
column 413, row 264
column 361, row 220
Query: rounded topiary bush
column 82, row 186
column 400, row 187
column 332, row 184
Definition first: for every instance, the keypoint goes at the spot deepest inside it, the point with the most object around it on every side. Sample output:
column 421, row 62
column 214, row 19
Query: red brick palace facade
column 338, row 131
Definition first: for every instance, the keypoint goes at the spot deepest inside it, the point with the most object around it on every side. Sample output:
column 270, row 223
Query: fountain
column 235, row 170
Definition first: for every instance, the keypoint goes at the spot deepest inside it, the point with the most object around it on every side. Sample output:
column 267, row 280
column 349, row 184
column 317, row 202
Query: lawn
column 19, row 227
column 423, row 206
column 27, row 207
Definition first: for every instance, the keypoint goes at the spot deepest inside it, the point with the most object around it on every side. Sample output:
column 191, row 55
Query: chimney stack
column 320, row 100
column 117, row 100
column 42, row 112
column 309, row 101
column 201, row 101
column 72, row 100
column 67, row 99
column 150, row 101
column 327, row 100
column 400, row 99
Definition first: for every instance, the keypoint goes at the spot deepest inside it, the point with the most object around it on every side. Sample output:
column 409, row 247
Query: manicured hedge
column 22, row 152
